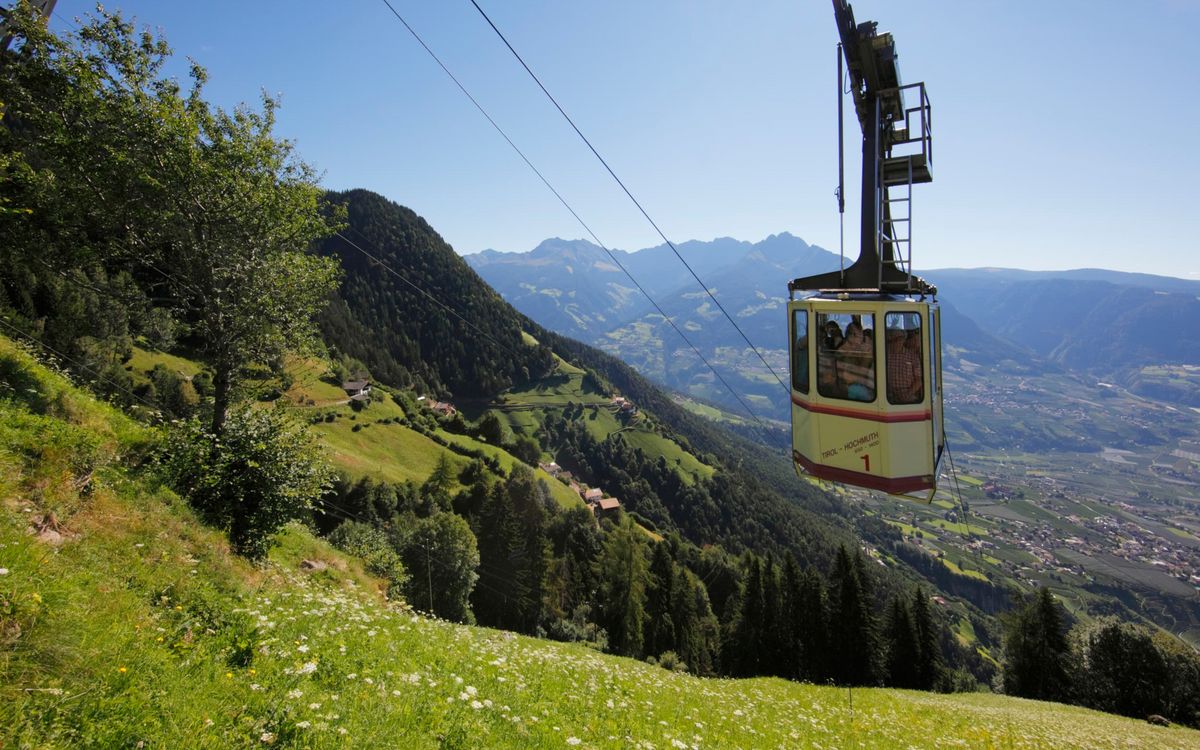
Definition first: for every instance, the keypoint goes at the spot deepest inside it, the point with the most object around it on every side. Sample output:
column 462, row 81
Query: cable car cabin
column 866, row 390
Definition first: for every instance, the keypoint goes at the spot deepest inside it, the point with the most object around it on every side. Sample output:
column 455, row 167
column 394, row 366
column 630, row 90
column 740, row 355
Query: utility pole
column 429, row 576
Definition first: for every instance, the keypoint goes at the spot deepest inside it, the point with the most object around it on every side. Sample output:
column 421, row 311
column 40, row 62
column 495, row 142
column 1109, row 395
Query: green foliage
column 376, row 551
column 1037, row 651
column 389, row 324
column 1128, row 669
column 852, row 627
column 442, row 556
column 130, row 174
column 624, row 573
column 262, row 471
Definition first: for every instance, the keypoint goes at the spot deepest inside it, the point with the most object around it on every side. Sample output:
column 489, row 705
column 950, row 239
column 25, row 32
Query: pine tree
column 792, row 625
column 623, row 575
column 930, row 668
column 746, row 645
column 774, row 629
column 903, row 647
column 660, row 630
column 813, row 628
column 853, row 633
column 502, row 564
column 1037, row 651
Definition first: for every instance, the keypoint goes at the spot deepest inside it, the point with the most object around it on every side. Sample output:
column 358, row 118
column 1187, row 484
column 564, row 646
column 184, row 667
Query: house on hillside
column 445, row 408
column 552, row 468
column 357, row 390
column 606, row 504
column 593, row 495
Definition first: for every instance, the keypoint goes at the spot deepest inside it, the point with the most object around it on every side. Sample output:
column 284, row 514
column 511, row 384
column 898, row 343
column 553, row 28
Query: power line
column 573, row 213
column 630, row 194
column 78, row 364
column 424, row 293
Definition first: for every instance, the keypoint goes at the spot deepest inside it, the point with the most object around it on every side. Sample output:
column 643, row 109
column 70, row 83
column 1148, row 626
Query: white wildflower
column 266, row 738
column 304, row 724
column 294, row 694
column 573, row 740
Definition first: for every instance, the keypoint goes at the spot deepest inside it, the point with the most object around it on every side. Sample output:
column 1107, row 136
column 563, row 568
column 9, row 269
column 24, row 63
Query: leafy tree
column 263, row 471
column 127, row 169
column 492, row 429
column 1183, row 669
column 527, row 449
column 1121, row 670
column 175, row 394
column 441, row 556
column 1036, row 651
column 376, row 551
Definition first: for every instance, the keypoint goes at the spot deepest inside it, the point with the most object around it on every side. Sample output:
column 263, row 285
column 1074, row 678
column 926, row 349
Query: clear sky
column 1065, row 131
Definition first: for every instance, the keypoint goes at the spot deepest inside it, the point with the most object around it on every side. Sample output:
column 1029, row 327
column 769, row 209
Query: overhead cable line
column 613, row 174
column 424, row 293
column 573, row 213
column 77, row 363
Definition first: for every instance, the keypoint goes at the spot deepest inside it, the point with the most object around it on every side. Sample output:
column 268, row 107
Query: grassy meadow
column 126, row 623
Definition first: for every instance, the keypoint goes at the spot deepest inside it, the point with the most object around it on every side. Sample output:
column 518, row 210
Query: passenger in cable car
column 856, row 363
column 827, row 365
column 904, row 383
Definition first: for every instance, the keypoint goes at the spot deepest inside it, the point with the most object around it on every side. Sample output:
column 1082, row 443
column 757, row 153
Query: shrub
column 264, row 470
column 372, row 545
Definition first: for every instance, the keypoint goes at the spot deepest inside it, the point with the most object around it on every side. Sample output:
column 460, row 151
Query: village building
column 357, row 390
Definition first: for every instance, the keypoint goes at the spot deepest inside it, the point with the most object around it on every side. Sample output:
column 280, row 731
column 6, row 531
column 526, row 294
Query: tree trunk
column 222, row 381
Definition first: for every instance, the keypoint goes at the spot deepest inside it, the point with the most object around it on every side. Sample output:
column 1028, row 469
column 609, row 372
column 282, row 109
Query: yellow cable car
column 866, row 391
column 865, row 341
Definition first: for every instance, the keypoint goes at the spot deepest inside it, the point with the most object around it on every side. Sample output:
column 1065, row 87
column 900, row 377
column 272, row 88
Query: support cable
column 962, row 506
column 30, row 337
column 582, row 223
column 631, row 196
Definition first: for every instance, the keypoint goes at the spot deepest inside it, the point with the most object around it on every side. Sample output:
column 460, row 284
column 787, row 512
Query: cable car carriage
column 865, row 341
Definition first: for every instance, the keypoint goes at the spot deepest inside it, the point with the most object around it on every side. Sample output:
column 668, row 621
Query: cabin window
column 846, row 356
column 800, row 351
column 935, row 348
column 905, row 361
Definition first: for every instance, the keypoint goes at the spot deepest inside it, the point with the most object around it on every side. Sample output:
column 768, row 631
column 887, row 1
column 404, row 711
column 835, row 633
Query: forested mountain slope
column 388, row 321
column 407, row 339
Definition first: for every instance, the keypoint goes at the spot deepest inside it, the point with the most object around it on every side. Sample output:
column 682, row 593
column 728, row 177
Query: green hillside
column 124, row 622
column 526, row 406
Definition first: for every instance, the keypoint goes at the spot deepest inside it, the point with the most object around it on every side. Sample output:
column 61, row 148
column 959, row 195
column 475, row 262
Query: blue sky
column 1064, row 131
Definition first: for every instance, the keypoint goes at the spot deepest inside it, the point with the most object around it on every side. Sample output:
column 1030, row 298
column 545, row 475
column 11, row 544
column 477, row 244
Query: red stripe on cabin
column 895, row 486
column 872, row 416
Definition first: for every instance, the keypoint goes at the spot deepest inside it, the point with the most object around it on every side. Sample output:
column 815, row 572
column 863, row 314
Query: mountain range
column 1107, row 324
